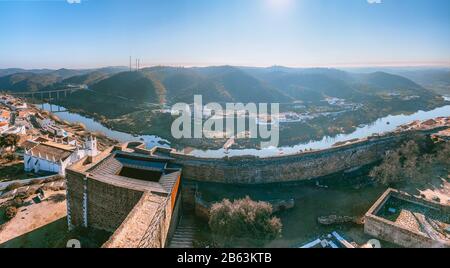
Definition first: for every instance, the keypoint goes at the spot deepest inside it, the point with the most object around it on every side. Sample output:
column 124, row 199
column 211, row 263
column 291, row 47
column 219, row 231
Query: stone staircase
column 184, row 234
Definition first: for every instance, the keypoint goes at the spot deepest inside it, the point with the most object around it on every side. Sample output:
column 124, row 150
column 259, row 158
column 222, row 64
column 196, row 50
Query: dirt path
column 32, row 216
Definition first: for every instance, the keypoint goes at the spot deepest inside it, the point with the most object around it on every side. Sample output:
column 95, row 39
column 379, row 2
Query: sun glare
column 280, row 4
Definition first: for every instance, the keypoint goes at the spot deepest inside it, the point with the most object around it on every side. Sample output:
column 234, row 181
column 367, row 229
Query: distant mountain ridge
column 162, row 84
column 16, row 79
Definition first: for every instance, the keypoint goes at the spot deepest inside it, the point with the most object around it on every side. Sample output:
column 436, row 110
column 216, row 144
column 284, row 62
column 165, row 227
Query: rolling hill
column 16, row 79
column 221, row 84
column 27, row 81
column 135, row 86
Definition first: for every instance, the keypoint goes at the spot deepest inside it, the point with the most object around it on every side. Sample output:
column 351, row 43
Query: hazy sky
column 92, row 33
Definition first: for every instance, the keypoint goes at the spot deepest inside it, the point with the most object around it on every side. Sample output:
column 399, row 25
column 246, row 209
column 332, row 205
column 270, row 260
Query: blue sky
column 93, row 33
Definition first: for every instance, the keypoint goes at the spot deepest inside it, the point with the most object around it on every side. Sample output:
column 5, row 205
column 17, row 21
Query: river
column 94, row 126
column 382, row 125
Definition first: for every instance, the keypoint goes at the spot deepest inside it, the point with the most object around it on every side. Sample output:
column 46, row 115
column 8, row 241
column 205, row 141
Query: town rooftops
column 60, row 145
column 5, row 113
column 28, row 144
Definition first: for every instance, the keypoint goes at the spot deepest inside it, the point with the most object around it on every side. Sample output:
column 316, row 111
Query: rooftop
column 136, row 171
column 50, row 152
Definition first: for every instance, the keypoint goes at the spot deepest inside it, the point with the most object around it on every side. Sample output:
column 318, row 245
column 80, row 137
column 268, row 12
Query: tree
column 10, row 212
column 243, row 218
column 413, row 161
column 443, row 154
column 9, row 141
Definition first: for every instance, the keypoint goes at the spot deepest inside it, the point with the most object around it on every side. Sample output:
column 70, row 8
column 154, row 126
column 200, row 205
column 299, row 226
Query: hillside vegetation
column 129, row 100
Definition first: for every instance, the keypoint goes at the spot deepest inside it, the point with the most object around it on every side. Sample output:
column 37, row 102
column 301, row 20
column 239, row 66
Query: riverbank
column 148, row 122
column 378, row 126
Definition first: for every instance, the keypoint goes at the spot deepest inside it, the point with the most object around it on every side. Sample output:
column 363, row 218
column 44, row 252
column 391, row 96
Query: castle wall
column 286, row 168
column 254, row 170
column 107, row 205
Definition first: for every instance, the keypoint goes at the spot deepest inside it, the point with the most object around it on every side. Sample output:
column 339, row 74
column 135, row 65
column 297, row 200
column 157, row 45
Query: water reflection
column 380, row 126
column 92, row 125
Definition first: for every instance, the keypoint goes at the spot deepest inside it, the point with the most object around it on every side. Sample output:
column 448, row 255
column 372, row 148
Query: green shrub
column 10, row 212
column 243, row 219
column 18, row 201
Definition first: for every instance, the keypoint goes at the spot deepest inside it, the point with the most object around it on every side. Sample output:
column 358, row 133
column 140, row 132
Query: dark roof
column 27, row 145
column 109, row 171
column 41, row 139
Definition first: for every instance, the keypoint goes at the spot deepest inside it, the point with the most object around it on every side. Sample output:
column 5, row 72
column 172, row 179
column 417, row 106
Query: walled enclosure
column 390, row 231
column 138, row 213
column 301, row 166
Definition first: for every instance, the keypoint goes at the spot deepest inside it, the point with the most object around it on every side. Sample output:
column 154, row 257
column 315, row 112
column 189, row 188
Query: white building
column 57, row 131
column 44, row 123
column 17, row 130
column 55, row 157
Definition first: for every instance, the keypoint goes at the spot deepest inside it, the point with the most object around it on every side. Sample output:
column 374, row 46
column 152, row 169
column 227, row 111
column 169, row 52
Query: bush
column 25, row 195
column 10, row 212
column 10, row 157
column 443, row 154
column 13, row 186
column 243, row 218
column 18, row 201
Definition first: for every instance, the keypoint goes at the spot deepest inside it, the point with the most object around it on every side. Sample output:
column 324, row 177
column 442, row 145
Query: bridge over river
column 49, row 94
column 46, row 95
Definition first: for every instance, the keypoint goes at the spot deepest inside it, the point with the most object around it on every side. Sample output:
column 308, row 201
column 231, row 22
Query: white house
column 45, row 123
column 17, row 130
column 56, row 157
column 57, row 131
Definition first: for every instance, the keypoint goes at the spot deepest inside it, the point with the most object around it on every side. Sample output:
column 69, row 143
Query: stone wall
column 148, row 225
column 138, row 218
column 301, row 166
column 156, row 236
column 74, row 192
column 108, row 205
column 388, row 231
